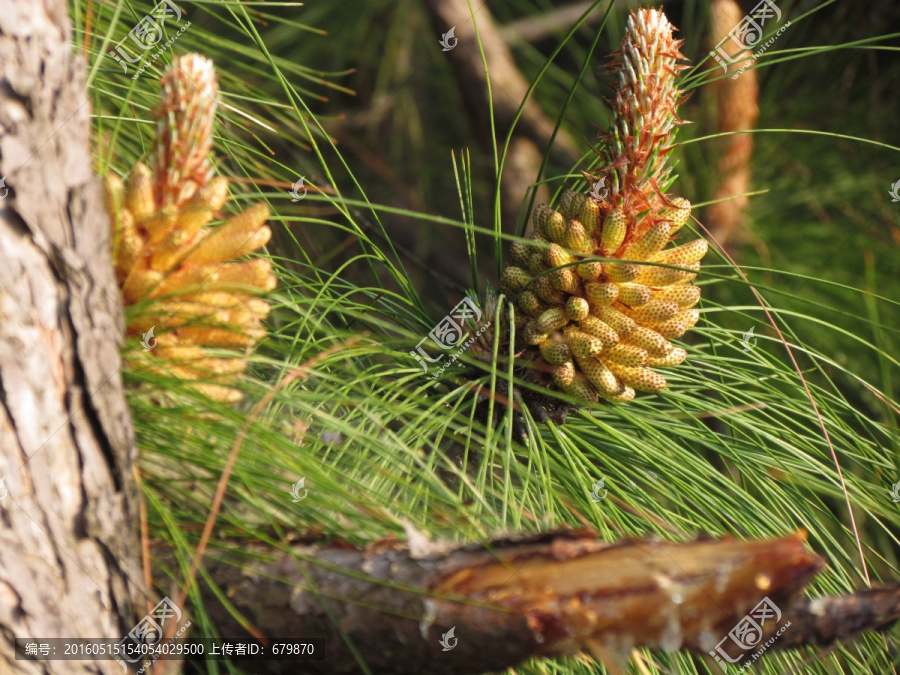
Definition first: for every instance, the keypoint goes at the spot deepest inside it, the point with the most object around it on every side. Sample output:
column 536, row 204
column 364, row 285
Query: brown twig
column 558, row 19
column 88, row 20
column 499, row 74
column 145, row 536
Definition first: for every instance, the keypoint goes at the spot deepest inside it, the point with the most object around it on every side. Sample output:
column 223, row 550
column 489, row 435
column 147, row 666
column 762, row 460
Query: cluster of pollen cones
column 182, row 290
column 597, row 328
column 601, row 326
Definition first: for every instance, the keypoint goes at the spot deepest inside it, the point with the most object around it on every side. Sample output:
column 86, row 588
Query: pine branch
column 534, row 130
column 515, row 598
column 509, row 86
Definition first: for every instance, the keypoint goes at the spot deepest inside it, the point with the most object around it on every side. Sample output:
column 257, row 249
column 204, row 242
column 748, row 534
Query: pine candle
column 599, row 327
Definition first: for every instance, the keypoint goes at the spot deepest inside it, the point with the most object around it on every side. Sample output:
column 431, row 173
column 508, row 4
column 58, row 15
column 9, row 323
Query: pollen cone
column 597, row 329
column 177, row 269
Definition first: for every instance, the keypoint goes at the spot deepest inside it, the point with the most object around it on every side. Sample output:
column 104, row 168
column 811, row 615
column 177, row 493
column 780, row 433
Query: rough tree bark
column 68, row 552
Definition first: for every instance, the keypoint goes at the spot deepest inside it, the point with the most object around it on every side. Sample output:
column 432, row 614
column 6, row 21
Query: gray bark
column 68, row 550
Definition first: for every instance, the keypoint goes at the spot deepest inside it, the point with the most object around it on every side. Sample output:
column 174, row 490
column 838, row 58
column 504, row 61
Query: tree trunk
column 68, row 550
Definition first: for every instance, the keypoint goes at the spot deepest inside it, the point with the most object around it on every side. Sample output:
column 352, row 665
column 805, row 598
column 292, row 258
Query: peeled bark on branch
column 513, row 599
column 67, row 494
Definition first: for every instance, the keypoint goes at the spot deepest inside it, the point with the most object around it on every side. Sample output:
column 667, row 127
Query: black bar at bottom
column 131, row 651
